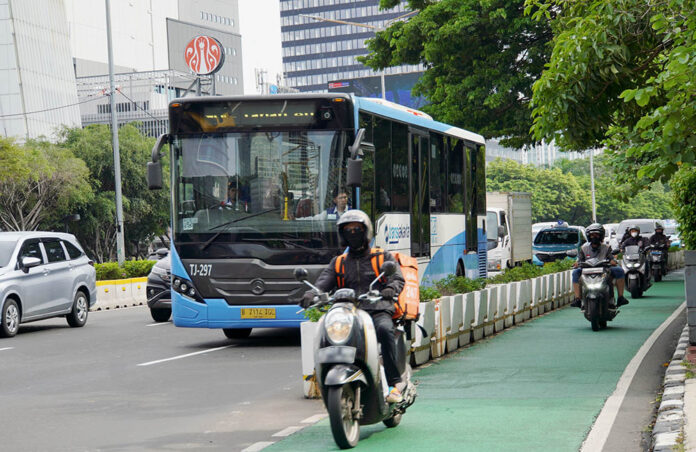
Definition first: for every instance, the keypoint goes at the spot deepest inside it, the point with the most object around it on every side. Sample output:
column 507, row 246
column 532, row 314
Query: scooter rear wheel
column 602, row 323
column 344, row 426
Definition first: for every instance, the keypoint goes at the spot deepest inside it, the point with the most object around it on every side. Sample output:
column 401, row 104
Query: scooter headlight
column 338, row 324
column 593, row 283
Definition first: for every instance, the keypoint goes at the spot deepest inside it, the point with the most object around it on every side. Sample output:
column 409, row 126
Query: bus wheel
column 237, row 333
column 460, row 269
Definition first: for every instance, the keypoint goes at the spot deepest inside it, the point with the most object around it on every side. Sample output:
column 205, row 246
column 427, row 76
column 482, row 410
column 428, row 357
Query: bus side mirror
column 154, row 168
column 354, row 172
column 355, row 147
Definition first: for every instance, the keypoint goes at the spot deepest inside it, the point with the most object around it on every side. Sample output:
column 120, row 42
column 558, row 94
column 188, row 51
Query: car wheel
column 10, row 319
column 161, row 315
column 78, row 316
column 237, row 333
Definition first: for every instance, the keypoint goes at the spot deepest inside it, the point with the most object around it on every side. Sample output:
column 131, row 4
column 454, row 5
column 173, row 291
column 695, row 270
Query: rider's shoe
column 621, row 301
column 576, row 303
column 394, row 395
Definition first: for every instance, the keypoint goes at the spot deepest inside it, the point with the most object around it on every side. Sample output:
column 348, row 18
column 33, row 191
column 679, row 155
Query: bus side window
column 383, row 159
column 400, row 165
column 455, row 190
column 438, row 173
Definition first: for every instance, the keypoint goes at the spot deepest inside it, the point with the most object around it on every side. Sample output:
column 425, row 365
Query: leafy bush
column 529, row 271
column 429, row 293
column 314, row 314
column 109, row 270
column 136, row 269
column 452, row 285
column 684, row 186
column 130, row 269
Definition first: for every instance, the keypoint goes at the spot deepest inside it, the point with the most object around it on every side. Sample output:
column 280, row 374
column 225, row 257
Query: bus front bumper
column 216, row 313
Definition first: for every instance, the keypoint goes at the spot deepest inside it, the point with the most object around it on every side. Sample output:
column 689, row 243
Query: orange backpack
column 406, row 306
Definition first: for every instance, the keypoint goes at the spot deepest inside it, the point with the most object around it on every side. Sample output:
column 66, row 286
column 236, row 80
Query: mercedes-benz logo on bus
column 258, row 287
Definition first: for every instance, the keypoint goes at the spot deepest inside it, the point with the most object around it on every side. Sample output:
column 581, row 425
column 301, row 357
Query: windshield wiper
column 224, row 225
column 285, row 241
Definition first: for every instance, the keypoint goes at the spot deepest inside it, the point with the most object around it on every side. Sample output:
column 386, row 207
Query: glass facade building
column 316, row 52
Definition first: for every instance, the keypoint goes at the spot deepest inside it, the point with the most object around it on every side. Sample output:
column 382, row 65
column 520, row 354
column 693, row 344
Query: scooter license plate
column 258, row 313
column 335, row 354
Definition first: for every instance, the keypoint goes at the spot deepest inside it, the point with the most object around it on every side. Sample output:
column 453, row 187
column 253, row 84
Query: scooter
column 658, row 260
column 637, row 269
column 349, row 367
column 597, row 289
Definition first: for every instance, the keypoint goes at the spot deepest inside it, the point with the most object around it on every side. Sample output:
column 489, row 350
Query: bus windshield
column 282, row 190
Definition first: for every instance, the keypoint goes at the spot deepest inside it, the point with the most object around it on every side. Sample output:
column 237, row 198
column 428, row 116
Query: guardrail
column 455, row 321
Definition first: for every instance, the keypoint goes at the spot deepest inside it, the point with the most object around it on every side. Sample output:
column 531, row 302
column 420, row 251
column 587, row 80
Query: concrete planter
column 690, row 292
column 438, row 344
column 456, row 322
column 308, row 334
column 420, row 348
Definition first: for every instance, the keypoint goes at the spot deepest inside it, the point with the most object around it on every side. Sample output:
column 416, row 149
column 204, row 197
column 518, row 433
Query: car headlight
column 572, row 253
column 338, row 324
column 159, row 271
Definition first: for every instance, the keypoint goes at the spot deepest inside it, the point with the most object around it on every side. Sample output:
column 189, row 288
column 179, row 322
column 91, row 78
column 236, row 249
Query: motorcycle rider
column 355, row 232
column 634, row 238
column 659, row 239
column 596, row 249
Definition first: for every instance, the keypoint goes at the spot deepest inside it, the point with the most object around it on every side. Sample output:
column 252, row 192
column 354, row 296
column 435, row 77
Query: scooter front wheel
column 392, row 421
column 344, row 426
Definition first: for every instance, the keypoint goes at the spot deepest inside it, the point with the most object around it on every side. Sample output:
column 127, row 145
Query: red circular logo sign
column 204, row 55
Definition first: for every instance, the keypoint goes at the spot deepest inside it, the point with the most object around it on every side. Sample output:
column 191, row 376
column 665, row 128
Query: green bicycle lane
column 537, row 386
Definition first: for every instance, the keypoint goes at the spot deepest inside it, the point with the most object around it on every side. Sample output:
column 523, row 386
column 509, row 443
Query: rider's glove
column 308, row 299
column 387, row 293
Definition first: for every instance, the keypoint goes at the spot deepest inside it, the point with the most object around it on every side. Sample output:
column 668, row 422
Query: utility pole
column 120, row 246
column 594, row 206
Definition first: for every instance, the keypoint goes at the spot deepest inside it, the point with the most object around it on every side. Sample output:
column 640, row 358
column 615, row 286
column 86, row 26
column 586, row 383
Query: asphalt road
column 112, row 386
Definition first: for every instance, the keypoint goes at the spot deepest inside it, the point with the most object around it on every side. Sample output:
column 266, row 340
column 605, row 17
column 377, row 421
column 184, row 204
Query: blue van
column 557, row 242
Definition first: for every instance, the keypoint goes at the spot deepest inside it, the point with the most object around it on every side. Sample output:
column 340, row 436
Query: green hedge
column 452, row 285
column 130, row 269
column 684, row 202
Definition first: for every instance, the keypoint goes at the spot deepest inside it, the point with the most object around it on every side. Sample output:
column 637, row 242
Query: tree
column 480, row 56
column 622, row 74
column 39, row 184
column 146, row 213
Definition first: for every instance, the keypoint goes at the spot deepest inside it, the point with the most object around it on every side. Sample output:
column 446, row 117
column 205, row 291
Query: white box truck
column 508, row 229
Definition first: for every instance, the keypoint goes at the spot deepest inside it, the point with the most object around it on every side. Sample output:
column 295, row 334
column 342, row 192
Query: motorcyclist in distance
column 659, row 239
column 355, row 232
column 634, row 239
column 596, row 249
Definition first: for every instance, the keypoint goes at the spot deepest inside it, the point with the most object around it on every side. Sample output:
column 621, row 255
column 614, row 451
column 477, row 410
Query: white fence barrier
column 120, row 293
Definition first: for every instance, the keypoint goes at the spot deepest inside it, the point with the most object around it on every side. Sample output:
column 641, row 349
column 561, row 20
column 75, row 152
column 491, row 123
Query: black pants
column 384, row 327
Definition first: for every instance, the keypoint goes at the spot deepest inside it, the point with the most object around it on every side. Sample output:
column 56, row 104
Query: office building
column 317, row 52
column 37, row 81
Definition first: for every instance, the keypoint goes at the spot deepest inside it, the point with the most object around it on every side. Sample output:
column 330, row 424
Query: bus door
column 419, row 183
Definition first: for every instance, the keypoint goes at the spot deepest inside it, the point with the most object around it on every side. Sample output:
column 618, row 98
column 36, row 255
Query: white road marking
column 602, row 426
column 186, row 355
column 257, row 446
column 158, row 324
column 313, row 419
column 288, row 431
column 6, row 348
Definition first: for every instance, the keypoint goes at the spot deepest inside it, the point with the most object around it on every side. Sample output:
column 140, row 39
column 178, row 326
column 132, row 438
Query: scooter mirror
column 301, row 274
column 388, row 268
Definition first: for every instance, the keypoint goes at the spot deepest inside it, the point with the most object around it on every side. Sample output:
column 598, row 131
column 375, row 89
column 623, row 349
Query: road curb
column 668, row 431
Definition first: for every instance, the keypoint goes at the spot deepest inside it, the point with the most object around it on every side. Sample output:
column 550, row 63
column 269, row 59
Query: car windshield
column 670, row 230
column 562, row 237
column 6, row 249
column 647, row 228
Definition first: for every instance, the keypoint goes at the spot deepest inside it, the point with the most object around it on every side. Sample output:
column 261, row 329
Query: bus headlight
column 338, row 325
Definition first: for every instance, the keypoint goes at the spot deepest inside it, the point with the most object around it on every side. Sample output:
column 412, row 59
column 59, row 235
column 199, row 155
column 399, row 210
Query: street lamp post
column 120, row 244
column 594, row 205
column 371, row 27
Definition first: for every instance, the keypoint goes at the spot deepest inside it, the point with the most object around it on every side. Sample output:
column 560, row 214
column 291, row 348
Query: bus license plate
column 258, row 313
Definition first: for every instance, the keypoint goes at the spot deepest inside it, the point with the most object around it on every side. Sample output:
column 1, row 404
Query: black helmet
column 595, row 227
column 634, row 226
column 355, row 216
column 659, row 225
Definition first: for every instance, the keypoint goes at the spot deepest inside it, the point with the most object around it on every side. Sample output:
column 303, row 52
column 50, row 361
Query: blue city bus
column 254, row 181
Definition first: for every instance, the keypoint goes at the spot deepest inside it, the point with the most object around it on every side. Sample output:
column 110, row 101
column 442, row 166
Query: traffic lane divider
column 120, row 293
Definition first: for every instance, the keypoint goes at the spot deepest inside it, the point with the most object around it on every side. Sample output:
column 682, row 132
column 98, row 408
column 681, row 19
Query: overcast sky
column 259, row 23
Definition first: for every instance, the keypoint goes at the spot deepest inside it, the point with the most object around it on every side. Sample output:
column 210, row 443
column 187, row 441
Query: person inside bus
column 355, row 232
column 340, row 206
column 235, row 199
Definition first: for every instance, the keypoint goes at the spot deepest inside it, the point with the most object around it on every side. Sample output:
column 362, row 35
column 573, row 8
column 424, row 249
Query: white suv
column 42, row 275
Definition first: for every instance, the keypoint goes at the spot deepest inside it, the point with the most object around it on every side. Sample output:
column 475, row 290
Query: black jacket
column 634, row 241
column 358, row 276
column 660, row 240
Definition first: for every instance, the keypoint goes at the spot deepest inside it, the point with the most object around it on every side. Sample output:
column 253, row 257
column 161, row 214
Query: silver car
column 42, row 275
